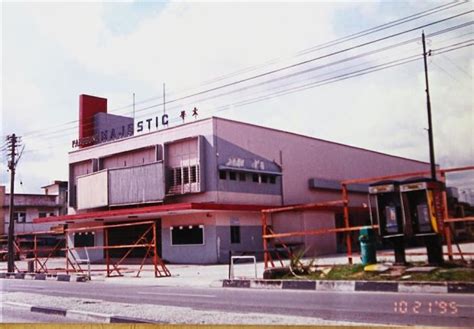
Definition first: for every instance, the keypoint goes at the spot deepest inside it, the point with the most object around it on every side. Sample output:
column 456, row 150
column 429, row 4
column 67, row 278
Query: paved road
column 364, row 307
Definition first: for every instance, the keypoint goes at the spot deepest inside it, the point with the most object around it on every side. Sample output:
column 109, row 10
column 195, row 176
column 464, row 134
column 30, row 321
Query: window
column 264, row 178
column 193, row 174
column 235, row 234
column 177, row 176
column 272, row 179
column 255, row 178
column 222, row 174
column 171, row 177
column 19, row 216
column 51, row 214
column 182, row 180
column 185, row 175
column 242, row 177
column 232, row 175
column 84, row 239
column 42, row 214
column 187, row 235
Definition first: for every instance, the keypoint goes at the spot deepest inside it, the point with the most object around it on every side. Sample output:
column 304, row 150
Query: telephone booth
column 389, row 216
column 423, row 214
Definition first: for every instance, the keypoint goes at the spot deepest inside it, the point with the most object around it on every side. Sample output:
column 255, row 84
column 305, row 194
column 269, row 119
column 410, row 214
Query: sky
column 53, row 52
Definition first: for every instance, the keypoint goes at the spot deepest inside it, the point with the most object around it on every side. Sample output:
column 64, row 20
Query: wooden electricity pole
column 428, row 106
column 12, row 143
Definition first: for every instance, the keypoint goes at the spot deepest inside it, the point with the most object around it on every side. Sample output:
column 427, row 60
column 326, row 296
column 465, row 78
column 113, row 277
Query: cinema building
column 205, row 182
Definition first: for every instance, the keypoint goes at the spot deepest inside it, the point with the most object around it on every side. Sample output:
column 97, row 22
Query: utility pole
column 12, row 141
column 428, row 106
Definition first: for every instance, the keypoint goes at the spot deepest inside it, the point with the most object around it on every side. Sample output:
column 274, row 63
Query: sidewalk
column 210, row 275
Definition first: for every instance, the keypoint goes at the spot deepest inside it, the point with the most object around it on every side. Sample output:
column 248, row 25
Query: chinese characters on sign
column 240, row 163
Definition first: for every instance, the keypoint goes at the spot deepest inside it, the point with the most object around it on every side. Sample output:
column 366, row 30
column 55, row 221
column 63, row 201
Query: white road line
column 469, row 306
column 175, row 294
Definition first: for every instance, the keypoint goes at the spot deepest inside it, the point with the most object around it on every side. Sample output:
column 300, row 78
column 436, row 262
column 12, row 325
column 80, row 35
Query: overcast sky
column 53, row 52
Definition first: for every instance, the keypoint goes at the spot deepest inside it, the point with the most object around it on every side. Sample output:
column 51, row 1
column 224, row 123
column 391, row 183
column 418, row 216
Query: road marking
column 176, row 294
column 470, row 306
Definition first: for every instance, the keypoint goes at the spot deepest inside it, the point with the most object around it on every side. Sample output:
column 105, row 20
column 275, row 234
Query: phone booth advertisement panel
column 423, row 214
column 389, row 216
column 389, row 210
column 422, row 205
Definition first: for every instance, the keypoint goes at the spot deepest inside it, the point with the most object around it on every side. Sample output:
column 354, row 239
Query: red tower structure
column 88, row 107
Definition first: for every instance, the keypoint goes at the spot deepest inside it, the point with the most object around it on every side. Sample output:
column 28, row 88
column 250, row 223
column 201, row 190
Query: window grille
column 185, row 179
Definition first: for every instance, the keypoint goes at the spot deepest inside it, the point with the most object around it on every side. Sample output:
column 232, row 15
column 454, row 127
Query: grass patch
column 342, row 272
column 449, row 273
column 456, row 274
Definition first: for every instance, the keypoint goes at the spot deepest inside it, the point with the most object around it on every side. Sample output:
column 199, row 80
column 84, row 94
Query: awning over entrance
column 159, row 210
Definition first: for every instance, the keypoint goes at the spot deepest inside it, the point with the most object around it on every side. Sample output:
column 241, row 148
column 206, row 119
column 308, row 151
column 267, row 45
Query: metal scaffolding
column 73, row 263
column 143, row 241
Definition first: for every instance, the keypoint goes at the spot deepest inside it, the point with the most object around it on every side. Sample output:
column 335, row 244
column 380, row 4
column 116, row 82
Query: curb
column 78, row 315
column 44, row 276
column 384, row 286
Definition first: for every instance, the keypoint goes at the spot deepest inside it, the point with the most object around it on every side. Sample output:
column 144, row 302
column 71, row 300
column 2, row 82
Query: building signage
column 240, row 163
column 235, row 162
column 121, row 132
column 149, row 123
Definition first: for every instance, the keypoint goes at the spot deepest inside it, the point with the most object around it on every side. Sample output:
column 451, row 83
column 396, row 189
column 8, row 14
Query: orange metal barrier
column 267, row 232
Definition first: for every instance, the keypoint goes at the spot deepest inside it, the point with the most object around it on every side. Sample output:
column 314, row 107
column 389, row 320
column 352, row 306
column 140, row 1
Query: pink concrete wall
column 304, row 158
column 323, row 243
column 129, row 159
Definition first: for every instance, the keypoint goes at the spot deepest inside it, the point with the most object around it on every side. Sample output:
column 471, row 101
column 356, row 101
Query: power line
column 436, row 33
column 353, row 74
column 446, row 72
column 309, row 60
column 457, row 66
column 334, row 42
column 337, row 79
column 338, row 41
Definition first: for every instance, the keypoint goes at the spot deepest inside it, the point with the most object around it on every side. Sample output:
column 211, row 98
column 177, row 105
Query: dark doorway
column 129, row 235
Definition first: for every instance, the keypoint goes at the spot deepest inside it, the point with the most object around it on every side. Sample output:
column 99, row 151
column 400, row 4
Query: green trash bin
column 367, row 246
